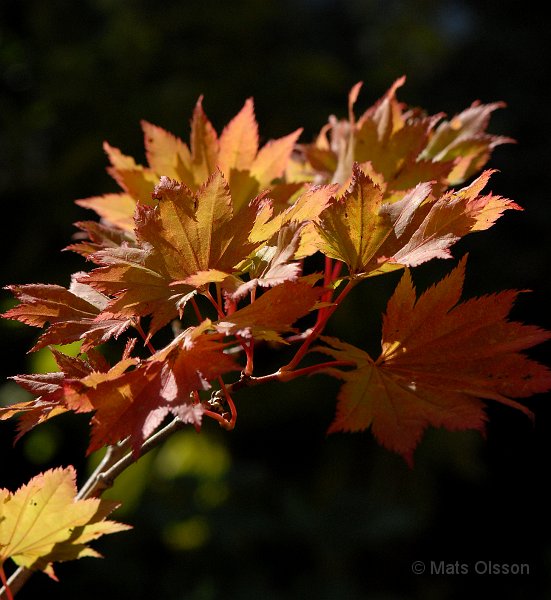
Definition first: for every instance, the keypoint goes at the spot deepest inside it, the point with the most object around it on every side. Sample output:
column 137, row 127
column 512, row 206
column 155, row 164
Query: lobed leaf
column 438, row 360
column 71, row 313
column 273, row 313
column 247, row 169
column 48, row 389
column 189, row 240
column 133, row 403
column 43, row 522
column 400, row 146
column 373, row 236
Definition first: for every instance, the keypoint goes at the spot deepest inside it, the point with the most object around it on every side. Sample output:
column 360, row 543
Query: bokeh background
column 276, row 509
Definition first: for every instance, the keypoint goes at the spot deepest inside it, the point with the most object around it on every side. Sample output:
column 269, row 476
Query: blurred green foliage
column 275, row 509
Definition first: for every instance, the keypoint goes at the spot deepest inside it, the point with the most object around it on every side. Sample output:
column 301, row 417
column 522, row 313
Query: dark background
column 276, row 509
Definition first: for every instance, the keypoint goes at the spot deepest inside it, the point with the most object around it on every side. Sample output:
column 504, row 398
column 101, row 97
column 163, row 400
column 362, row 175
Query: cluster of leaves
column 224, row 220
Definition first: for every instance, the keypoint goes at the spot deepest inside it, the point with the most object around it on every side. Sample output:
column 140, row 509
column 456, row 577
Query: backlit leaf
column 43, row 522
column 439, row 359
column 239, row 141
column 135, row 402
column 402, row 145
column 48, row 389
column 71, row 313
column 187, row 241
column 273, row 313
column 373, row 236
column 247, row 169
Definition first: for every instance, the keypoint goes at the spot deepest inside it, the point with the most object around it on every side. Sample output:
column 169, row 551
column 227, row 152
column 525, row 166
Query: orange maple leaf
column 399, row 146
column 373, row 236
column 189, row 240
column 48, row 389
column 247, row 169
column 438, row 359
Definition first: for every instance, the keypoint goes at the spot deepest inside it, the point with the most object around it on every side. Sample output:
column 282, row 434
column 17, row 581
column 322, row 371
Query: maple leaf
column 464, row 140
column 134, row 402
column 116, row 209
column 271, row 265
column 135, row 180
column 399, row 146
column 132, row 397
column 273, row 313
column 137, row 183
column 48, row 389
column 373, row 236
column 439, row 359
column 71, row 313
column 137, row 279
column 247, row 169
column 199, row 231
column 239, row 141
column 166, row 154
column 189, row 240
column 306, row 208
column 99, row 236
column 303, row 212
column 204, row 146
column 43, row 522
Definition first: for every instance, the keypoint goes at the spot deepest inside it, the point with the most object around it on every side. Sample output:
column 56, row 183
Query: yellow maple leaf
column 43, row 522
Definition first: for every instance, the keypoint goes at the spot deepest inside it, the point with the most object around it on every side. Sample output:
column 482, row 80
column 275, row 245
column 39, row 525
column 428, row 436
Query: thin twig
column 112, row 455
column 318, row 328
column 104, row 479
column 116, row 460
column 17, row 580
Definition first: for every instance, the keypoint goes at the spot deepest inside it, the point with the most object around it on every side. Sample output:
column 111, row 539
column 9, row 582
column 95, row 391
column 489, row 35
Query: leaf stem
column 328, row 271
column 249, row 353
column 336, row 270
column 219, row 310
column 219, row 295
column 288, row 375
column 231, row 424
column 145, row 338
column 196, row 310
column 224, row 423
column 327, row 279
column 318, row 327
column 285, row 375
column 6, row 588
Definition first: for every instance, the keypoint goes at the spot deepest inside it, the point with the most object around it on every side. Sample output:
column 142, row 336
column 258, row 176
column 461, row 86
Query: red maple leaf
column 70, row 313
column 48, row 390
column 133, row 403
